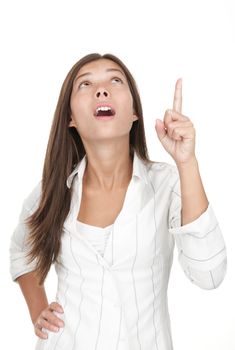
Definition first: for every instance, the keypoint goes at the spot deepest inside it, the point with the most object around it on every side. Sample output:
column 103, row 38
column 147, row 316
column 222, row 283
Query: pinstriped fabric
column 119, row 330
column 155, row 244
column 55, row 341
column 169, row 323
column 112, row 235
column 81, row 293
column 64, row 306
column 212, row 279
column 203, row 260
column 118, row 301
column 133, row 281
column 201, row 237
column 101, row 305
column 112, row 260
column 156, row 296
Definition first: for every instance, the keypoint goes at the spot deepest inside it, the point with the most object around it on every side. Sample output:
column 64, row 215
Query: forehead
column 99, row 65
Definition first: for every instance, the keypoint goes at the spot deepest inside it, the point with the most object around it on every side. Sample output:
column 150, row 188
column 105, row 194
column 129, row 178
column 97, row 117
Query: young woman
column 108, row 218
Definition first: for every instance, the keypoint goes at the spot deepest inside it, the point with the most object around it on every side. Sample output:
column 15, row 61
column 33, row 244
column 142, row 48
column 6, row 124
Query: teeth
column 102, row 109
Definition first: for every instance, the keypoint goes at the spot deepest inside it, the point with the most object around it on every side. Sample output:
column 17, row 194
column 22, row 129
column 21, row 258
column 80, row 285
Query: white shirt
column 119, row 301
column 98, row 236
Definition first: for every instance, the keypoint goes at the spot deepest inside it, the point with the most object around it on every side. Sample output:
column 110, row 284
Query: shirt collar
column 139, row 170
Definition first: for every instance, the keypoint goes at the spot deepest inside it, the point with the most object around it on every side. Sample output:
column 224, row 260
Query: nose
column 102, row 92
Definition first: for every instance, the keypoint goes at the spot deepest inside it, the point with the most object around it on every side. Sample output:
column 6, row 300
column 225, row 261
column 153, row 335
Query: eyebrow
column 107, row 70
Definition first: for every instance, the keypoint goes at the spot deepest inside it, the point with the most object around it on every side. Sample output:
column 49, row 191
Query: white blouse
column 98, row 236
column 118, row 300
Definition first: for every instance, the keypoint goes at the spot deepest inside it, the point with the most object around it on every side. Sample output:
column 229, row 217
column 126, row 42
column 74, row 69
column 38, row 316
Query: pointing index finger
column 177, row 103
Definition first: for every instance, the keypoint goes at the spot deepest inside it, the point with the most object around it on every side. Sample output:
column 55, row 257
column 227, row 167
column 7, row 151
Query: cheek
column 127, row 103
column 77, row 108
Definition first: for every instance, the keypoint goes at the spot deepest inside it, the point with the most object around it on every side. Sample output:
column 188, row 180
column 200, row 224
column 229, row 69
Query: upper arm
column 18, row 243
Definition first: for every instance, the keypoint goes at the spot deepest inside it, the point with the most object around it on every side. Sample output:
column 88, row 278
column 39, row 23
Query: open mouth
column 104, row 111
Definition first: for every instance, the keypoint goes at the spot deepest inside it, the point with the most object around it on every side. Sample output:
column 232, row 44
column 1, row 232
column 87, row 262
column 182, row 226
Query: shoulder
column 32, row 199
column 163, row 173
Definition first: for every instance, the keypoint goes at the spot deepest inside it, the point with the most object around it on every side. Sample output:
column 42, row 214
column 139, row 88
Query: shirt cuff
column 200, row 226
column 200, row 243
column 19, row 264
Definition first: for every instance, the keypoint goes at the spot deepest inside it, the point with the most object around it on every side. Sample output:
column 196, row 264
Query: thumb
column 160, row 128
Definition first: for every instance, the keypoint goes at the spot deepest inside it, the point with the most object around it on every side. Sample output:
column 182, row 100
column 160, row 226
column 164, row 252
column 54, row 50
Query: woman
column 109, row 217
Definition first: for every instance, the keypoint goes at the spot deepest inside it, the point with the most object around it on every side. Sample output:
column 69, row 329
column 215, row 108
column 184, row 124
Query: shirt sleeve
column 19, row 264
column 200, row 243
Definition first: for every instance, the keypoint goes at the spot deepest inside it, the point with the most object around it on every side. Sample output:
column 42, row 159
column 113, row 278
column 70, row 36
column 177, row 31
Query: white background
column 159, row 41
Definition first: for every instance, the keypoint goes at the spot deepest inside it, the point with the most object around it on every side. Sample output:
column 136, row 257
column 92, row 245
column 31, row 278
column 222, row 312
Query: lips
column 109, row 112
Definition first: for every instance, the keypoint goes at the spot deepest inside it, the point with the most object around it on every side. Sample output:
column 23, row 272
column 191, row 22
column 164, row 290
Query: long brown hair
column 64, row 150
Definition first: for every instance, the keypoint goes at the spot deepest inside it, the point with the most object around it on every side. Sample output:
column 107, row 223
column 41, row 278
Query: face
column 101, row 82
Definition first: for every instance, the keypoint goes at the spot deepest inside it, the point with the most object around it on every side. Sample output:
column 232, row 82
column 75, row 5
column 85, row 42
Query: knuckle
column 171, row 126
column 38, row 323
column 167, row 111
column 53, row 303
column 43, row 314
column 50, row 326
column 51, row 316
column 53, row 320
column 42, row 323
column 45, row 323
column 53, row 328
column 50, row 311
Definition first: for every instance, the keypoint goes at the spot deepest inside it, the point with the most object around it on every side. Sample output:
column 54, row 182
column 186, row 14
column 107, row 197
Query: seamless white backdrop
column 159, row 41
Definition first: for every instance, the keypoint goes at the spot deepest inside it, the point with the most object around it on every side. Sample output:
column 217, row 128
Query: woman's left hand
column 176, row 133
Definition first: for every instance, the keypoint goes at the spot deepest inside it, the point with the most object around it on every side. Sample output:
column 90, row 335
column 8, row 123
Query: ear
column 72, row 124
column 135, row 117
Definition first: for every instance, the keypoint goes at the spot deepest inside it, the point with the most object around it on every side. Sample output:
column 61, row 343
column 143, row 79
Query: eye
column 83, row 82
column 117, row 79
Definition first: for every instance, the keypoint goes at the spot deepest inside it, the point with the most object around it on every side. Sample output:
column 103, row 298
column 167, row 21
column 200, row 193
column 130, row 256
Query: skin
column 41, row 313
column 177, row 135
column 176, row 132
column 107, row 147
column 106, row 141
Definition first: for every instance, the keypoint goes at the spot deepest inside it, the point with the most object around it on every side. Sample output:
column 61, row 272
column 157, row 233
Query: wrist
column 192, row 162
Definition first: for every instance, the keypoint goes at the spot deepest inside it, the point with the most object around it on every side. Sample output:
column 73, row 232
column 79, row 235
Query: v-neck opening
column 94, row 227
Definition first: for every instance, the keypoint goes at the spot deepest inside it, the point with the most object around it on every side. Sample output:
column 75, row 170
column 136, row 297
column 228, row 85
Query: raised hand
column 176, row 132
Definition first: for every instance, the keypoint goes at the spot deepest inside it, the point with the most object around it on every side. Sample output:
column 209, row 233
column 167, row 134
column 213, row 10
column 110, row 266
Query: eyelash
column 85, row 81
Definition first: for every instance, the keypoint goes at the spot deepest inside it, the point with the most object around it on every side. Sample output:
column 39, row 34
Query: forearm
column 193, row 196
column 35, row 295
